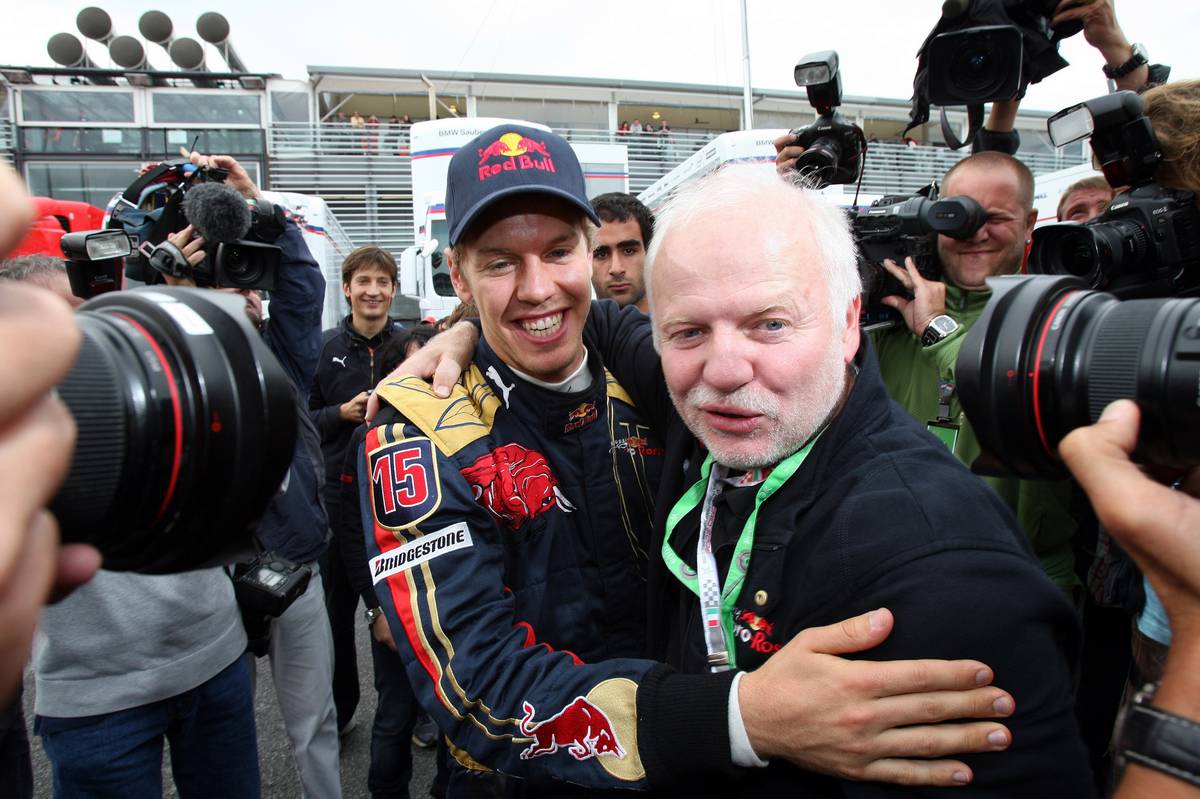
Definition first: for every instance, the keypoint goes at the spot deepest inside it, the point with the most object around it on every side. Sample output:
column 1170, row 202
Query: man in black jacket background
column 347, row 369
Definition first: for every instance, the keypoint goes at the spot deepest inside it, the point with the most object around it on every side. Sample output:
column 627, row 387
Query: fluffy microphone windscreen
column 217, row 212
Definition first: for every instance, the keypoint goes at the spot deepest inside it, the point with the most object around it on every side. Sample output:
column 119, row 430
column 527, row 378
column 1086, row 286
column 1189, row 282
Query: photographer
column 129, row 659
column 294, row 525
column 918, row 358
column 1157, row 526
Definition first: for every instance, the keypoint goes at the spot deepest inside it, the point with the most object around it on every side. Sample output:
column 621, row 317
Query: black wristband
column 1160, row 740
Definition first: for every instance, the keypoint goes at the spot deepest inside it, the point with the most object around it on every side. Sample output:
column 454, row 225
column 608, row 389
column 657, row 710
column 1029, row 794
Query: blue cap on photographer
column 511, row 159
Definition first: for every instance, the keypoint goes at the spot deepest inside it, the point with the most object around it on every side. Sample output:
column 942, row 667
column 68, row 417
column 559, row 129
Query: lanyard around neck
column 716, row 600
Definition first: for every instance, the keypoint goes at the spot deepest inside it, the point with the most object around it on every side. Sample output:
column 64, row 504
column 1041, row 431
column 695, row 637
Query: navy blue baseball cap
column 511, row 159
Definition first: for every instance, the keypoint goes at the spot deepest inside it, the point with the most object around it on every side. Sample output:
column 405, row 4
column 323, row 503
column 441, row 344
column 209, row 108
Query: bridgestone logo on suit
column 416, row 552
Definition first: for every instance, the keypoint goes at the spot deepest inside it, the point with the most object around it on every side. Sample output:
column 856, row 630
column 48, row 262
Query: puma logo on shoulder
column 494, row 376
column 340, row 361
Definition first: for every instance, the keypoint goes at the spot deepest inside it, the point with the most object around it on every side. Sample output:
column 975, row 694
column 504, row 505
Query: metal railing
column 365, row 177
column 900, row 169
column 7, row 140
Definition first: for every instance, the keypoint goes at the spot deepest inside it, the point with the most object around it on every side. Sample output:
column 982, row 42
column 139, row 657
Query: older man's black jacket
column 879, row 515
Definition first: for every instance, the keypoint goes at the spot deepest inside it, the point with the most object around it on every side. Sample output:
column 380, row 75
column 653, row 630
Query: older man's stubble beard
column 821, row 395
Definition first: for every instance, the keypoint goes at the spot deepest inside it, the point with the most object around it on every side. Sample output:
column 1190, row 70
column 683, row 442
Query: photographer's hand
column 1102, row 31
column 37, row 437
column 238, row 178
column 1159, row 528
column 443, row 359
column 786, row 153
column 929, row 296
column 16, row 210
column 192, row 249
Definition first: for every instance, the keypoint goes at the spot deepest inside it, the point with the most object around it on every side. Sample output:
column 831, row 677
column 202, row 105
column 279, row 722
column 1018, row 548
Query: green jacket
column 912, row 374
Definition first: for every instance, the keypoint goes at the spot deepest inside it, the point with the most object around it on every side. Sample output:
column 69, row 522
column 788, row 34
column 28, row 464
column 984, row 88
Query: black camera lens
column 980, row 67
column 186, row 426
column 241, row 268
column 1048, row 355
column 1099, row 251
column 820, row 160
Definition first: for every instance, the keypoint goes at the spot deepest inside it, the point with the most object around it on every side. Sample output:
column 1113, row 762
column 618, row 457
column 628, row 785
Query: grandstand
column 81, row 133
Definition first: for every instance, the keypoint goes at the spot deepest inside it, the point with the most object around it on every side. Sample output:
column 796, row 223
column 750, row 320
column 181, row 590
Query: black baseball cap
column 511, row 159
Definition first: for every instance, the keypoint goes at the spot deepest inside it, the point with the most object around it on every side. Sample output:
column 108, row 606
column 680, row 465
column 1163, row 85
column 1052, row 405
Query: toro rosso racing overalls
column 507, row 533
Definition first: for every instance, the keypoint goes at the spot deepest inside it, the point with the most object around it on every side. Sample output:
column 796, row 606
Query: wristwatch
column 1154, row 738
column 372, row 614
column 938, row 328
column 1136, row 60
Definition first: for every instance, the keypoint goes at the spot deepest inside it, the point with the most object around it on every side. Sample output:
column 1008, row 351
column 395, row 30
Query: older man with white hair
column 801, row 494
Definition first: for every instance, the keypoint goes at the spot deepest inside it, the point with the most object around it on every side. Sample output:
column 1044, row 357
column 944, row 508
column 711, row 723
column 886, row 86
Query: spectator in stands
column 358, row 139
column 1085, row 199
column 623, row 129
column 391, row 136
column 619, row 250
column 347, row 368
column 636, row 127
column 373, row 134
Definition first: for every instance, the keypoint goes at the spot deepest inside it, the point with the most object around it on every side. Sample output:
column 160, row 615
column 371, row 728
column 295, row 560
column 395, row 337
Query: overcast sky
column 692, row 41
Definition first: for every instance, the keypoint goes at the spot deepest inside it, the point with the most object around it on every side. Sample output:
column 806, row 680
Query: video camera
column 1050, row 352
column 1147, row 244
column 985, row 50
column 835, row 148
column 897, row 228
column 239, row 235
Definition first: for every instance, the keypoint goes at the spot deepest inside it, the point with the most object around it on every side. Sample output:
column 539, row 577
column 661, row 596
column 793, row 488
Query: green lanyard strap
column 701, row 494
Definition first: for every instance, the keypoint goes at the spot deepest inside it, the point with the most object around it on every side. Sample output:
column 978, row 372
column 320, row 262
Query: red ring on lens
column 177, row 410
column 1037, row 373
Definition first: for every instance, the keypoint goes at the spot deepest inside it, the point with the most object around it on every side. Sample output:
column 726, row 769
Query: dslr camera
column 1051, row 351
column 239, row 235
column 897, row 228
column 835, row 148
column 1147, row 244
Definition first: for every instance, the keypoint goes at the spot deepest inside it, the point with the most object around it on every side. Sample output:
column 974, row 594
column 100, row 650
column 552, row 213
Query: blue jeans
column 391, row 734
column 214, row 751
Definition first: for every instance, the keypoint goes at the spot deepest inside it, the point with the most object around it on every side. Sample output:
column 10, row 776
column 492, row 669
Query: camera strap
column 974, row 124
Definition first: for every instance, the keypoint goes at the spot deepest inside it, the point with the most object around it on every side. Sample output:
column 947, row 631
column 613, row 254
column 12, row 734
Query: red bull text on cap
column 511, row 159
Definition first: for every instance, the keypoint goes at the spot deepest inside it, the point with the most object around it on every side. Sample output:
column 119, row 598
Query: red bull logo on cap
column 581, row 728
column 518, row 152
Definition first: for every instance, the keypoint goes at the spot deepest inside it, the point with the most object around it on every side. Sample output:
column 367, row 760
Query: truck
column 424, row 273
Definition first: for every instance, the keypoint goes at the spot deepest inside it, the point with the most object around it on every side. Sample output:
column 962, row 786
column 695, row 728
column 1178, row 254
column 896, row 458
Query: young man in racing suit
column 506, row 527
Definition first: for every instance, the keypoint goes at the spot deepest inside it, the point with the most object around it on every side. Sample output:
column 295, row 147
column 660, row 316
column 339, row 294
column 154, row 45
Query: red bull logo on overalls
column 580, row 416
column 515, row 484
column 581, row 728
column 518, row 152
